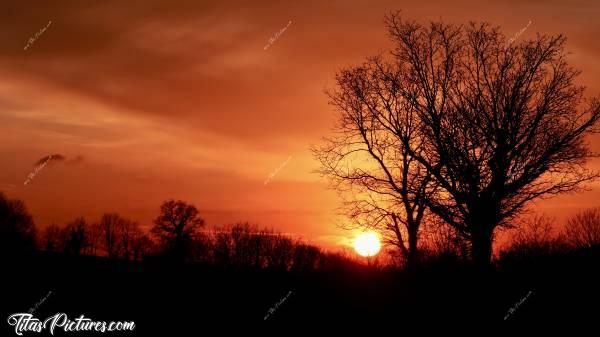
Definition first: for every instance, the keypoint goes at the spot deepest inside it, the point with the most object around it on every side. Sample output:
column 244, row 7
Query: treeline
column 113, row 236
column 178, row 235
column 244, row 245
column 531, row 239
column 538, row 237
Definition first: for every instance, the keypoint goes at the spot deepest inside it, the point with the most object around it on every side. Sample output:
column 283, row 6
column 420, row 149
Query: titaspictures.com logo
column 26, row 322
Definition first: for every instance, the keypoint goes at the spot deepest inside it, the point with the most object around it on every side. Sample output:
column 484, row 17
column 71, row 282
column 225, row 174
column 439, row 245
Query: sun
column 367, row 244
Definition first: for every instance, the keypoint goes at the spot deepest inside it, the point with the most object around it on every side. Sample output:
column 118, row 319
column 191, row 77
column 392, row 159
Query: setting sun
column 367, row 244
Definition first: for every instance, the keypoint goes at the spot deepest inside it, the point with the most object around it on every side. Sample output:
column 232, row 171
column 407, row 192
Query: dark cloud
column 50, row 158
column 60, row 158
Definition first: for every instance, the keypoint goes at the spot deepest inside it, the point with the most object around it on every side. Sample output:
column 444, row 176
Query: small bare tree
column 110, row 226
column 536, row 230
column 140, row 245
column 129, row 233
column 75, row 235
column 94, row 239
column 51, row 239
column 583, row 230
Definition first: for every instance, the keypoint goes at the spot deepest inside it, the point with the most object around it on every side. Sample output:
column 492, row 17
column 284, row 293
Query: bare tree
column 533, row 239
column 95, row 239
column 496, row 126
column 75, row 236
column 141, row 246
column 279, row 252
column 222, row 248
column 111, row 226
column 51, row 239
column 176, row 225
column 442, row 241
column 305, row 257
column 384, row 187
column 241, row 235
column 583, row 230
column 536, row 230
column 129, row 232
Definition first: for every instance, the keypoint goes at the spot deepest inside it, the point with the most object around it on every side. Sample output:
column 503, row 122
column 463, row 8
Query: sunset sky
column 150, row 100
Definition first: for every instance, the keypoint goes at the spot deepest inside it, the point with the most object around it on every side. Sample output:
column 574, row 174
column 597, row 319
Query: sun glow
column 367, row 244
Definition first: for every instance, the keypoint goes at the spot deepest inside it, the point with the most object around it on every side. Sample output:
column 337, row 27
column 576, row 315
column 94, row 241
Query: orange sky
column 150, row 100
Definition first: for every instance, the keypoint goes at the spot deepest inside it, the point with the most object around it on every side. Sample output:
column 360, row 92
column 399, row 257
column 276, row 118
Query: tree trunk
column 412, row 258
column 481, row 248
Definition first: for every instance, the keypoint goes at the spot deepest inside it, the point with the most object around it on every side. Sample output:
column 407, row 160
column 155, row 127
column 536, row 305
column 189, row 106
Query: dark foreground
column 557, row 292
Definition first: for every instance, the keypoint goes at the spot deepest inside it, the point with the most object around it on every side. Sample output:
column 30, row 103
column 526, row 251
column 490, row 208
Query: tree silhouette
column 583, row 229
column 501, row 126
column 95, row 239
column 280, row 252
column 120, row 237
column 222, row 248
column 441, row 241
column 130, row 232
column 176, row 225
column 305, row 257
column 110, row 228
column 496, row 126
column 535, row 238
column 533, row 241
column 388, row 187
column 17, row 229
column 140, row 246
column 75, row 236
column 52, row 240
column 245, row 245
column 535, row 231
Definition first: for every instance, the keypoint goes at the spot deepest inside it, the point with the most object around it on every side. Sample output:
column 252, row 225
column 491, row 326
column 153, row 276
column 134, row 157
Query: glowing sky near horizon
column 161, row 100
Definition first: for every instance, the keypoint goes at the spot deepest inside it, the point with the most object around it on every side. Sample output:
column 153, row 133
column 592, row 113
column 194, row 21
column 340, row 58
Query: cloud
column 49, row 158
column 59, row 158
